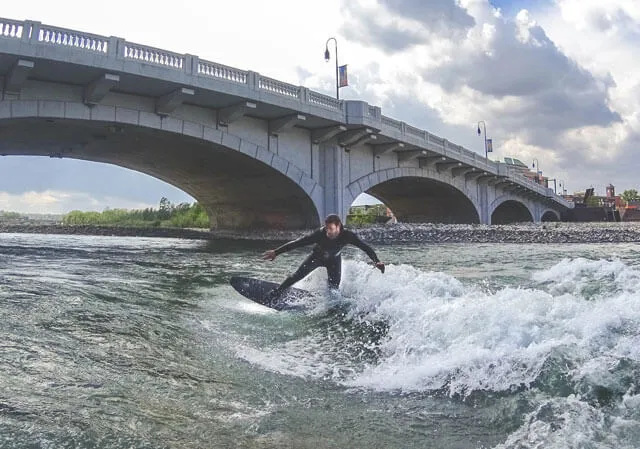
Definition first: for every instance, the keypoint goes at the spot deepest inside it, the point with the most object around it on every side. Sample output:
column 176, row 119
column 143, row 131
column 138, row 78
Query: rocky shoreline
column 113, row 231
column 382, row 234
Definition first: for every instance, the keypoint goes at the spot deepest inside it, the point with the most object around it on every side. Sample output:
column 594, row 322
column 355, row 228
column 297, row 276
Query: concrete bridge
column 254, row 151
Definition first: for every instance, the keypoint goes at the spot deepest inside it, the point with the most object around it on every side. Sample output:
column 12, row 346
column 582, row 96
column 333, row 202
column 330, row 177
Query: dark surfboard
column 256, row 290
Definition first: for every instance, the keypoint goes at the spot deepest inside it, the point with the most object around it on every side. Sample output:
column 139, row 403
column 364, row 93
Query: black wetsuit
column 326, row 253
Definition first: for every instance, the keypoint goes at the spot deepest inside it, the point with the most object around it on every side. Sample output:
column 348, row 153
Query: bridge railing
column 325, row 101
column 223, row 72
column 11, row 28
column 69, row 38
column 151, row 55
column 113, row 47
column 278, row 87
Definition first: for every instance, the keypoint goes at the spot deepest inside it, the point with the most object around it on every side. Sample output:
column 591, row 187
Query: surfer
column 329, row 241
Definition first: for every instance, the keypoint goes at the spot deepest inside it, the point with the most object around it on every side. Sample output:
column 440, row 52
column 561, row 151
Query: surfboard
column 256, row 290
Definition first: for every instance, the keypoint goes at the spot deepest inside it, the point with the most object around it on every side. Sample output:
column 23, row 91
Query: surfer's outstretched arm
column 298, row 243
column 355, row 241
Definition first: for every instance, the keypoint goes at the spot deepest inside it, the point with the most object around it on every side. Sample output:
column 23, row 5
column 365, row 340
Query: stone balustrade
column 11, row 28
column 278, row 87
column 150, row 55
column 324, row 101
column 391, row 123
column 70, row 38
column 215, row 70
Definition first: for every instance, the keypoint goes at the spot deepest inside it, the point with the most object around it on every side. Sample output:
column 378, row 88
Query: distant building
column 591, row 207
column 613, row 200
column 523, row 168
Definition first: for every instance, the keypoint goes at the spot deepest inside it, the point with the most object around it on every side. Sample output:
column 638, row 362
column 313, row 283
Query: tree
column 166, row 208
column 593, row 201
column 630, row 195
column 183, row 215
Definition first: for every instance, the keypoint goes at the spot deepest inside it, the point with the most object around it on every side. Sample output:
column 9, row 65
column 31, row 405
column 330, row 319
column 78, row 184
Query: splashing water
column 572, row 335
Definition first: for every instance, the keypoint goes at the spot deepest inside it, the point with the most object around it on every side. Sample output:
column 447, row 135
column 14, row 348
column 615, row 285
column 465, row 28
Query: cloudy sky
column 555, row 80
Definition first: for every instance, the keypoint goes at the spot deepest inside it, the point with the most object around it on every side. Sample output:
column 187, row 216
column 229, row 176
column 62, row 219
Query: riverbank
column 441, row 233
column 118, row 231
column 383, row 234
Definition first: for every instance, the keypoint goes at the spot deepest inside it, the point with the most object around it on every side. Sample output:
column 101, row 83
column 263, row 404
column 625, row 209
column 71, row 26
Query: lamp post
column 533, row 165
column 327, row 56
column 484, row 127
column 563, row 186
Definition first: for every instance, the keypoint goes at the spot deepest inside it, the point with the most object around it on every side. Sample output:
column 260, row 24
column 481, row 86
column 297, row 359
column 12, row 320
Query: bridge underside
column 237, row 191
column 422, row 200
column 511, row 212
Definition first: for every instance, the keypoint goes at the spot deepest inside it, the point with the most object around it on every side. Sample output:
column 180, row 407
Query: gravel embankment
column 401, row 232
column 440, row 233
column 105, row 230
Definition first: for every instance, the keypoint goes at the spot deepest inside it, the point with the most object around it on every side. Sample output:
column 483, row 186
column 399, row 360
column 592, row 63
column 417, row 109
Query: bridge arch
column 505, row 209
column 418, row 195
column 550, row 215
column 239, row 183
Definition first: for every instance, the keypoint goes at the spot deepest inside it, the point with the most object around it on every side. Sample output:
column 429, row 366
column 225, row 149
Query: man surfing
column 329, row 241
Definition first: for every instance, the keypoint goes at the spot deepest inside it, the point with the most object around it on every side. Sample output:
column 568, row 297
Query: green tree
column 166, row 208
column 9, row 215
column 592, row 201
column 184, row 215
column 363, row 215
column 629, row 195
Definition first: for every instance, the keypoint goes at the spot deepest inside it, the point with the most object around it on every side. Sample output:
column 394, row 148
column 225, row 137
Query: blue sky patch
column 511, row 7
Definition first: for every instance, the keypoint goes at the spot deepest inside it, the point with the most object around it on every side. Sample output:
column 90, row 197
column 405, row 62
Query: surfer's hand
column 269, row 255
column 380, row 266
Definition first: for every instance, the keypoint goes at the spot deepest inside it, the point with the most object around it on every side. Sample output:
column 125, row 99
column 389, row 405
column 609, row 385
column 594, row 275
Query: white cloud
column 543, row 94
column 56, row 202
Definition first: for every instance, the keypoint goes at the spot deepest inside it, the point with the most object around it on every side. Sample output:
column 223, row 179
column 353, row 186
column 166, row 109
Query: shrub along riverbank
column 168, row 215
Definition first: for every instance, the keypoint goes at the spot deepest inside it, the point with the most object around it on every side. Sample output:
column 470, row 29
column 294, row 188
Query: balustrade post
column 30, row 30
column 303, row 95
column 191, row 64
column 253, row 82
column 115, row 47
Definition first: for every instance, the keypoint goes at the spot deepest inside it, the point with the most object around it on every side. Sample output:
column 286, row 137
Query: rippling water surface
column 112, row 342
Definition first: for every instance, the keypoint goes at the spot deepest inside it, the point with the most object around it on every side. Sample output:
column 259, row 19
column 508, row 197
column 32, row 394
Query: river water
column 120, row 342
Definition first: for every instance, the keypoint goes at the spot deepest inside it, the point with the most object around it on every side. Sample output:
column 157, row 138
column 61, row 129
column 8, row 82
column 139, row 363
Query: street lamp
column 533, row 165
column 484, row 127
column 327, row 56
column 562, row 186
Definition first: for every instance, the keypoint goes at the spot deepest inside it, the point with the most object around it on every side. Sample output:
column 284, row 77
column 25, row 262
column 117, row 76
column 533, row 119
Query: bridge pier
column 334, row 179
column 483, row 199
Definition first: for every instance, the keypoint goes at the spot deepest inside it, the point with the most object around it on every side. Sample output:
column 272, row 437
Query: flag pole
column 337, row 74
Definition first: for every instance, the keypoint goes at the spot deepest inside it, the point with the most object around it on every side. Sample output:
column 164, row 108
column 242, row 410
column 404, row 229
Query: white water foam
column 561, row 423
column 571, row 423
column 474, row 340
column 444, row 336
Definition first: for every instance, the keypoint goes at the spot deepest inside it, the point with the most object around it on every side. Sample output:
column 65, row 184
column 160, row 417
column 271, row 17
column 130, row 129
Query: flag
column 489, row 146
column 342, row 76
